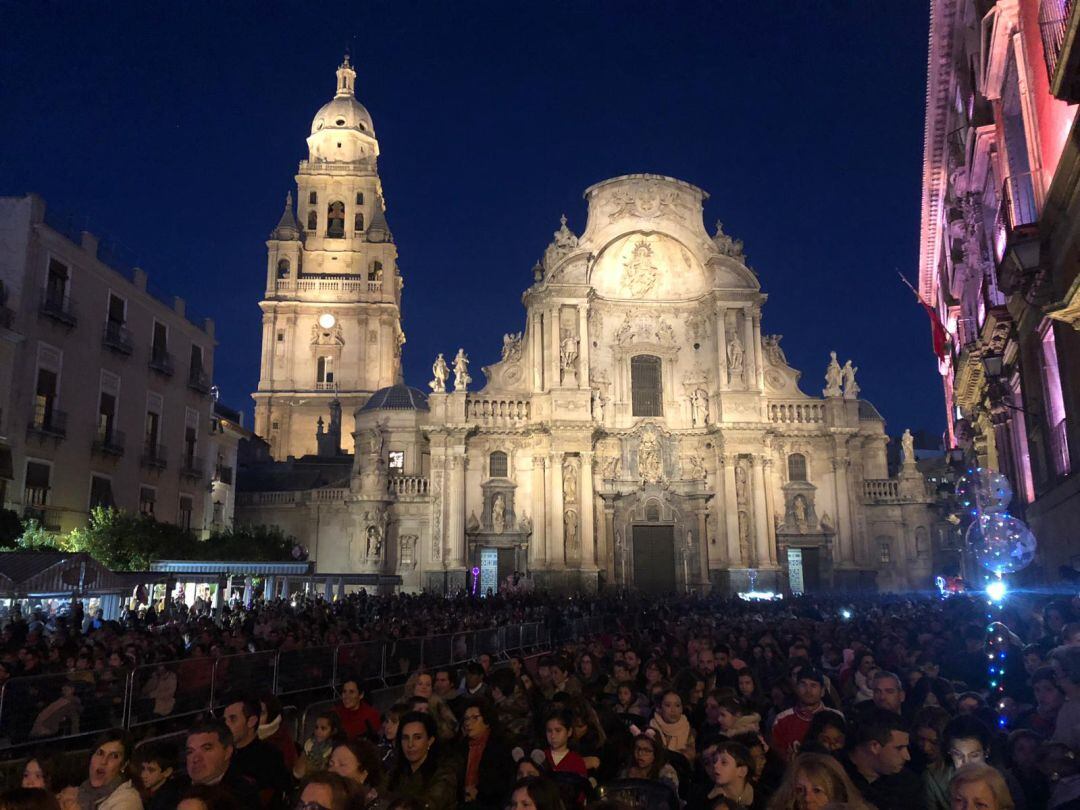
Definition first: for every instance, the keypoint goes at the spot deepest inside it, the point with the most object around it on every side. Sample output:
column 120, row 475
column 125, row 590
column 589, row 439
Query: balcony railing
column 35, row 496
column 118, row 338
column 191, row 467
column 879, row 490
column 153, row 456
column 161, row 362
column 109, row 442
column 1053, row 26
column 59, row 307
column 408, row 485
column 796, row 412
column 326, row 386
column 497, row 410
column 51, row 423
column 47, row 518
column 199, row 380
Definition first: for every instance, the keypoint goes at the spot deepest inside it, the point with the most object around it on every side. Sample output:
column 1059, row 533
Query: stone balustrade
column 406, row 485
column 497, row 410
column 328, row 495
column 796, row 412
column 881, row 489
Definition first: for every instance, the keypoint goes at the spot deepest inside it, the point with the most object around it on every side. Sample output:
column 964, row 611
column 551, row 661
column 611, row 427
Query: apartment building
column 105, row 384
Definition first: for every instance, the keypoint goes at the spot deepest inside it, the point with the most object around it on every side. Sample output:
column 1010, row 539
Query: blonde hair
column 989, row 776
column 825, row 771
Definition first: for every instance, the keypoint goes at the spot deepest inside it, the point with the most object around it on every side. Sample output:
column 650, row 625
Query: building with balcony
column 999, row 248
column 104, row 384
column 640, row 430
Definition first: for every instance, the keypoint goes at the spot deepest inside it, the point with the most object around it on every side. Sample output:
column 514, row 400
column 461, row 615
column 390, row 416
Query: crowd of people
column 695, row 703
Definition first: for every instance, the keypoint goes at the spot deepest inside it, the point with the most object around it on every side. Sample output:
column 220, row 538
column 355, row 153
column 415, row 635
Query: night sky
column 176, row 129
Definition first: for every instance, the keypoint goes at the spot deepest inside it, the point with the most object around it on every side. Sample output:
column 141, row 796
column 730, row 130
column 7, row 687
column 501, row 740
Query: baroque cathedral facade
column 640, row 430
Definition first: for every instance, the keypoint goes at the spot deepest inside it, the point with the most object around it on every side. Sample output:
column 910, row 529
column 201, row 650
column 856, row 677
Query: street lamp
column 993, row 363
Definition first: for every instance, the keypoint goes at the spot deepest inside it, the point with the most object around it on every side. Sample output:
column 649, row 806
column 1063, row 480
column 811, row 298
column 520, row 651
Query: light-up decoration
column 1001, row 543
column 327, row 320
column 996, row 590
column 983, row 490
column 760, row 596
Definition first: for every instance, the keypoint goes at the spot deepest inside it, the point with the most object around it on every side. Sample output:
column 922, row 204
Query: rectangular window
column 646, row 386
column 183, row 514
column 359, row 198
column 312, row 198
column 56, row 282
column 1055, row 402
column 45, row 397
column 196, row 360
column 886, row 553
column 161, row 339
column 117, row 310
column 147, row 496
column 37, row 483
column 101, row 492
column 397, row 461
column 324, row 371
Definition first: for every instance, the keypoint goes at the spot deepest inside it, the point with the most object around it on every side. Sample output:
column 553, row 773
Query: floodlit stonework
column 639, row 429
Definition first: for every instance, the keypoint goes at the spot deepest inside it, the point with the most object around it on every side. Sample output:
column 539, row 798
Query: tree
column 259, row 543
column 11, row 528
column 125, row 542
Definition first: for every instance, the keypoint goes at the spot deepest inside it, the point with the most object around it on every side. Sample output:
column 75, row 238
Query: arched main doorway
column 654, row 557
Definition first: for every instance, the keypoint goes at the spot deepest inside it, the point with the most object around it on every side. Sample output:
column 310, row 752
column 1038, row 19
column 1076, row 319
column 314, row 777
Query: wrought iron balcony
column 51, row 422
column 199, row 380
column 191, row 466
column 1058, row 26
column 109, row 442
column 118, row 338
column 161, row 362
column 59, row 307
column 153, row 456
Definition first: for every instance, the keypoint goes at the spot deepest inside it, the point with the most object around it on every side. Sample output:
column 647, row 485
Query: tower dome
column 343, row 111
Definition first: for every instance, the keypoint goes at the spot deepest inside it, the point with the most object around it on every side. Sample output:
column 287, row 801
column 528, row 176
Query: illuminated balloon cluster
column 1000, row 542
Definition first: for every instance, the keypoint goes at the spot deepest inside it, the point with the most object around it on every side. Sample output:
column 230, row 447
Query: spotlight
column 996, row 590
column 845, row 614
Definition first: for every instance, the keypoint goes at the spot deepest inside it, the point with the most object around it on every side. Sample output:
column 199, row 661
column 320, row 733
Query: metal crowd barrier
column 35, row 709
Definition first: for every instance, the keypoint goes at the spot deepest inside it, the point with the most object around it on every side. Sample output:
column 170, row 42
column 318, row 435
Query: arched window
column 335, row 220
column 359, row 198
column 646, row 386
column 375, row 271
column 358, row 222
column 324, row 369
column 497, row 466
column 796, row 467
column 283, row 268
column 312, row 220
column 652, row 512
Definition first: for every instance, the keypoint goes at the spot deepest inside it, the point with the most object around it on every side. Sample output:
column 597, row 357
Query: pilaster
column 762, row 557
column 731, row 514
column 588, row 540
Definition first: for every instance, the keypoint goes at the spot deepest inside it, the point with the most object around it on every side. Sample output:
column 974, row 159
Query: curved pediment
column 647, row 265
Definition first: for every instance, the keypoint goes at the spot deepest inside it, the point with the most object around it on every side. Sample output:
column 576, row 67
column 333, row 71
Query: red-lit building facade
column 1000, row 249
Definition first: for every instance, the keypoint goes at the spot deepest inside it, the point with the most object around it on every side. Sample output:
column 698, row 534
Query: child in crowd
column 319, row 745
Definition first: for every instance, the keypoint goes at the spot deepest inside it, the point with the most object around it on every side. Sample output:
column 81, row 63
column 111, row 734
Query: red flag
column 938, row 333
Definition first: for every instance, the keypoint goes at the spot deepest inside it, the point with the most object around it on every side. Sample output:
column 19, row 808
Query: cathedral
column 640, row 430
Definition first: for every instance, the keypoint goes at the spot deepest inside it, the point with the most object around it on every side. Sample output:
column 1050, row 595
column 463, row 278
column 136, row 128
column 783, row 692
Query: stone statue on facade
column 511, row 348
column 773, row 353
column 650, row 460
column 569, row 484
column 599, row 401
column 736, row 358
column 525, row 524
column 696, row 467
column 374, row 541
column 568, row 352
column 461, row 371
column 441, row 373
column 699, row 407
column 851, row 388
column 612, row 467
column 798, row 509
column 570, row 526
column 726, row 246
column 472, row 525
column 498, row 514
column 833, row 377
column 907, row 448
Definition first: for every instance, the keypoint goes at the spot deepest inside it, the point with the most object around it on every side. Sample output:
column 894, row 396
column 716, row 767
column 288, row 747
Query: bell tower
column 332, row 307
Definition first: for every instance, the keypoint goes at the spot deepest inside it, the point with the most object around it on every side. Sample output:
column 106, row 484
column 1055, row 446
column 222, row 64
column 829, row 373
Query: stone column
column 721, row 347
column 536, row 350
column 770, row 507
column 759, row 366
column 750, row 368
column 844, row 538
column 269, row 348
column 556, row 543
column 341, row 588
column 703, row 544
column 761, row 518
column 269, row 587
column 249, row 592
column 610, row 560
column 363, row 377
column 538, row 541
column 587, row 496
column 386, row 351
column 284, row 587
column 554, row 372
column 455, row 495
column 731, row 514
column 583, row 348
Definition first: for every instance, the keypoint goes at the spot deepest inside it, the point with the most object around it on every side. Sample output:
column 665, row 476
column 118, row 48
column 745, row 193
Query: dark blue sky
column 176, row 129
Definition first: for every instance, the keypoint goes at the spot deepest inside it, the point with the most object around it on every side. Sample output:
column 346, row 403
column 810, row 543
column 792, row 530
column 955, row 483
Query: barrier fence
column 35, row 709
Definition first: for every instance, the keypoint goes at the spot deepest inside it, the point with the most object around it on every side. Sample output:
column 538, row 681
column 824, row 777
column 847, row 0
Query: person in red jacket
column 560, row 759
column 790, row 727
column 358, row 717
